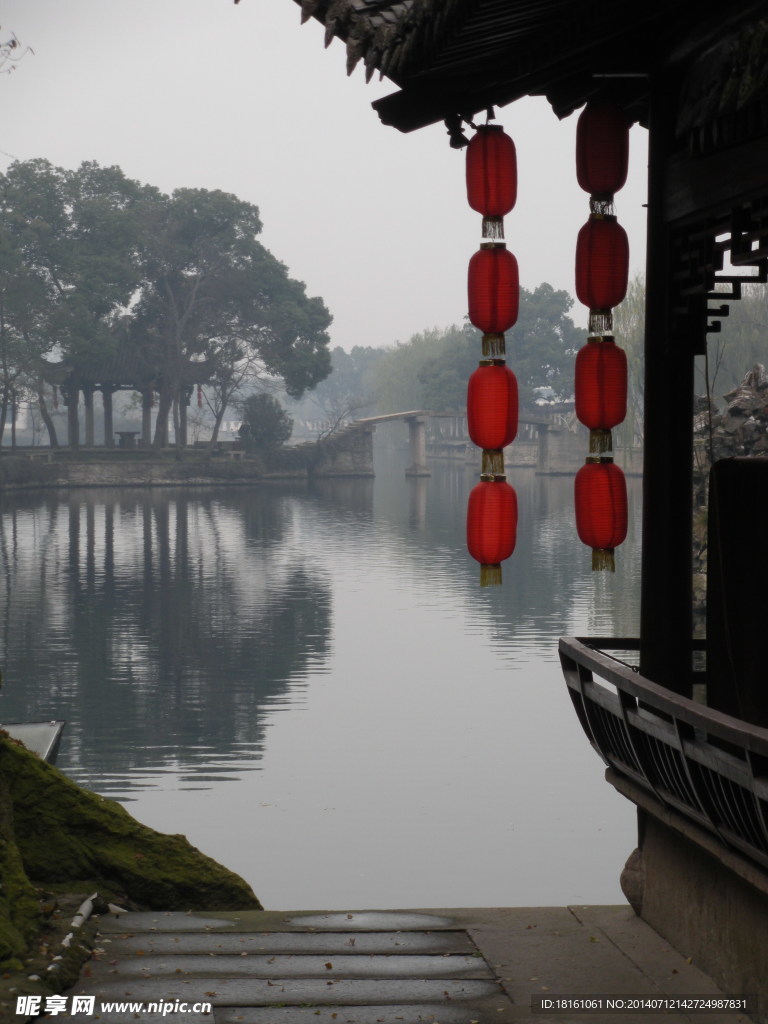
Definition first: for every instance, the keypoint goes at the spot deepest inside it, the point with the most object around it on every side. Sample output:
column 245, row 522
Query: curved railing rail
column 708, row 766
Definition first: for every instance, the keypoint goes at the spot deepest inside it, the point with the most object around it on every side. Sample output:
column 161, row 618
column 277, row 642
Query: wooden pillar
column 73, row 425
column 666, row 614
column 88, row 390
column 186, row 396
column 109, row 433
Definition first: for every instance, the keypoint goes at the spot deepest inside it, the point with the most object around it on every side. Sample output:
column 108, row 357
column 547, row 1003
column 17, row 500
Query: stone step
column 322, row 943
column 362, row 968
column 356, row 965
column 293, row 991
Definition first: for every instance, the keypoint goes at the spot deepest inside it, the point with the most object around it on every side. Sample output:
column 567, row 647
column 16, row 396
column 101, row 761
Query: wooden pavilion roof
column 460, row 57
column 122, row 370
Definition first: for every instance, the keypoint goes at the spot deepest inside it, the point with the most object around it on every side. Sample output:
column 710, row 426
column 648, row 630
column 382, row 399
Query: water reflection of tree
column 160, row 624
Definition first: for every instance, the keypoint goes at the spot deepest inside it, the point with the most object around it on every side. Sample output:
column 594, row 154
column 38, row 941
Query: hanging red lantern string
column 199, row 396
column 602, row 151
column 601, row 390
column 493, row 288
column 600, row 496
column 492, row 399
column 602, row 273
column 491, row 170
column 491, row 526
column 492, row 412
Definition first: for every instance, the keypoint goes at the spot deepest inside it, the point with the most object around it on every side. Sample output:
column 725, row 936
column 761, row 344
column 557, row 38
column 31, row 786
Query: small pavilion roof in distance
column 121, row 370
column 459, row 57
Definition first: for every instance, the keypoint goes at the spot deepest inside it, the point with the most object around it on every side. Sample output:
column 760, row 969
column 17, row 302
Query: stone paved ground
column 408, row 967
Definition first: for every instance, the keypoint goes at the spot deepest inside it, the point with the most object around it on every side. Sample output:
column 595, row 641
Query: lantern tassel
column 600, row 441
column 600, row 321
column 603, row 560
column 493, row 227
column 602, row 204
column 490, row 575
column 493, row 462
column 493, row 346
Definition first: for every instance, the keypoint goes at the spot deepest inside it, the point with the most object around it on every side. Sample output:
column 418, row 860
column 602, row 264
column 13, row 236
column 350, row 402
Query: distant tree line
column 94, row 264
column 430, row 370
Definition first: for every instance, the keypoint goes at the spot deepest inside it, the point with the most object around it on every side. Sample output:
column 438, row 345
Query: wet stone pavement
column 388, row 967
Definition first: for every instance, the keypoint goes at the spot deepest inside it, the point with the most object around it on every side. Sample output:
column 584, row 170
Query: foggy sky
column 203, row 93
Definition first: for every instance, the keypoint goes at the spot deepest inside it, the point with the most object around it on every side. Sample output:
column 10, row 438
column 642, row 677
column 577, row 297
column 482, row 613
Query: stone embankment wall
column 19, row 471
column 347, row 454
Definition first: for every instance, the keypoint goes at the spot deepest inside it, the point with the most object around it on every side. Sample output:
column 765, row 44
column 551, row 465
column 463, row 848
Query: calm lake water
column 311, row 685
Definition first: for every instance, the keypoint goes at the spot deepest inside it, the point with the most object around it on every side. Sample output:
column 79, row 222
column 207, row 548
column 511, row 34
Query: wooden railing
column 708, row 766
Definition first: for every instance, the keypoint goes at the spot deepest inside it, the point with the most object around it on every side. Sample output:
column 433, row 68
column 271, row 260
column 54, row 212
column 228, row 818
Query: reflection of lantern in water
column 600, row 494
column 491, row 527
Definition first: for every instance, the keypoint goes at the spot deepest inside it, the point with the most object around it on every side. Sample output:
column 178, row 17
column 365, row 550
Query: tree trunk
column 88, row 404
column 218, row 419
column 178, row 430
column 47, row 418
column 3, row 413
column 146, row 417
column 163, row 408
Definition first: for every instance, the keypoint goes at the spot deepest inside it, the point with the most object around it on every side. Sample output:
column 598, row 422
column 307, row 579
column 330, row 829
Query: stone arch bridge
column 349, row 452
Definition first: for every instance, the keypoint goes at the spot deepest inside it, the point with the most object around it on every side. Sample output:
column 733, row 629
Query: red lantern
column 601, row 389
column 491, row 177
column 494, row 288
column 199, row 396
column 602, row 262
column 600, row 495
column 492, row 405
column 602, row 149
column 491, row 527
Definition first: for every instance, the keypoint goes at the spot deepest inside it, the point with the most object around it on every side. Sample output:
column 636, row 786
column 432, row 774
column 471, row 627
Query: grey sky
column 204, row 93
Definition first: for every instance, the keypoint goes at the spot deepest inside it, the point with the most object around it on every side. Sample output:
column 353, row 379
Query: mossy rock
column 52, row 831
column 19, row 910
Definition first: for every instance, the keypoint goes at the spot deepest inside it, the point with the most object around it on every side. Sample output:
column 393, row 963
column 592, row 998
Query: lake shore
column 43, row 468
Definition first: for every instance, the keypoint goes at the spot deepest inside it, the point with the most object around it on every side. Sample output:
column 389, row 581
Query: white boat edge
column 42, row 738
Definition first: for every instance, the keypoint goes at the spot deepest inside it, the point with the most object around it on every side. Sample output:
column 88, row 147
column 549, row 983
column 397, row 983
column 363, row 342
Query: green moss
column 52, row 831
column 19, row 909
